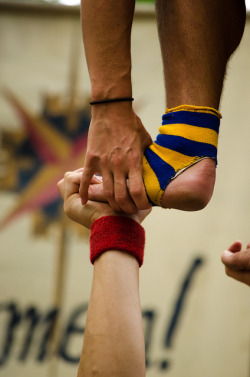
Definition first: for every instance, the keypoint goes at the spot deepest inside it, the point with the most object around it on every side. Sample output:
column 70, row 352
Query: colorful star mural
column 37, row 156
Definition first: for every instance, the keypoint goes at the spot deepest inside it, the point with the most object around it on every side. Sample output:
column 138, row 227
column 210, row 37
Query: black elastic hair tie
column 119, row 99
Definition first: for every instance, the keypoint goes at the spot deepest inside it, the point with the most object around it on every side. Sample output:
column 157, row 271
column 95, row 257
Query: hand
column 87, row 214
column 116, row 142
column 237, row 262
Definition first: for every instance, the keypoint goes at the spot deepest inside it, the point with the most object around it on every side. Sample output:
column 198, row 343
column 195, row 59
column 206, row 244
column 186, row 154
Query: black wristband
column 119, row 99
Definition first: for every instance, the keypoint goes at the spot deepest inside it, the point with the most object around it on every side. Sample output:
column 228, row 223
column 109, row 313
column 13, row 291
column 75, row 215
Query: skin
column 237, row 262
column 113, row 342
column 197, row 38
column 187, row 192
column 195, row 51
column 117, row 137
column 114, row 339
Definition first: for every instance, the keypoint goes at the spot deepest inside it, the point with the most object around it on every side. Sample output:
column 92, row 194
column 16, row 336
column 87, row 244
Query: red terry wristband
column 117, row 233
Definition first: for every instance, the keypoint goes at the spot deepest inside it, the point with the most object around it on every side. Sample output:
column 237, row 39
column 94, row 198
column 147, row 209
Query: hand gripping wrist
column 117, row 233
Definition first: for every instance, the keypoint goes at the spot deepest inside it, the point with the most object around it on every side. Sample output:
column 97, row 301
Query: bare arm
column 117, row 137
column 106, row 29
column 113, row 341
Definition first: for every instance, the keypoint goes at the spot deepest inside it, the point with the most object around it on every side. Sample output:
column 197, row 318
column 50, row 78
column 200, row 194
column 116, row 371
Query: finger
column 71, row 183
column 237, row 261
column 86, row 177
column 60, row 186
column 242, row 276
column 79, row 170
column 248, row 245
column 96, row 193
column 122, row 196
column 137, row 189
column 97, row 177
column 235, row 247
column 108, row 190
column 74, row 177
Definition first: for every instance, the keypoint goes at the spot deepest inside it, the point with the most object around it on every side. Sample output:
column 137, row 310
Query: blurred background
column 196, row 320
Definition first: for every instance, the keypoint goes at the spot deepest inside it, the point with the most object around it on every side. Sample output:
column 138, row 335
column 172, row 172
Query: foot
column 190, row 191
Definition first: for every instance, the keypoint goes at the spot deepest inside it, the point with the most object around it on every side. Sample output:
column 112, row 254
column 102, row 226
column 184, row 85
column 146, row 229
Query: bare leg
column 114, row 341
column 197, row 38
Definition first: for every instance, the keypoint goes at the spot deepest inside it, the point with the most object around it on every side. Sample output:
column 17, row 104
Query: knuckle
column 136, row 192
column 102, row 156
column 116, row 161
column 121, row 199
column 91, row 161
column 104, row 161
column 135, row 159
column 91, row 157
column 67, row 175
column 109, row 194
column 71, row 179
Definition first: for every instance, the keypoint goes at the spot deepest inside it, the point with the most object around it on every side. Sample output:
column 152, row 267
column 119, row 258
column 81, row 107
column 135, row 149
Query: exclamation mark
column 149, row 322
column 179, row 307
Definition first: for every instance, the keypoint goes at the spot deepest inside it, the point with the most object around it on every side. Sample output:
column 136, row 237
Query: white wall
column 212, row 333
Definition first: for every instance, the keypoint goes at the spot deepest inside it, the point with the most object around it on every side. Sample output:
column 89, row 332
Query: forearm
column 117, row 137
column 106, row 28
column 113, row 340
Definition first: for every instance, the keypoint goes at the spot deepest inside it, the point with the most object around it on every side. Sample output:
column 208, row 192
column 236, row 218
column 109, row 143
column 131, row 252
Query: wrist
column 133, row 217
column 113, row 112
column 111, row 87
column 112, row 100
column 119, row 234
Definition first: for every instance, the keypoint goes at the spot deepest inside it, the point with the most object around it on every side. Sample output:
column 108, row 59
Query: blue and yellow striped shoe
column 188, row 135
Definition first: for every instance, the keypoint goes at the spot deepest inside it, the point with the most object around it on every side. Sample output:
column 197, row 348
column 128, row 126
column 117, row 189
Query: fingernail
column 82, row 201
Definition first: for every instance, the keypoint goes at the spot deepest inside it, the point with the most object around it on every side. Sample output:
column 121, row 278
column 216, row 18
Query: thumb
column 235, row 247
column 237, row 261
